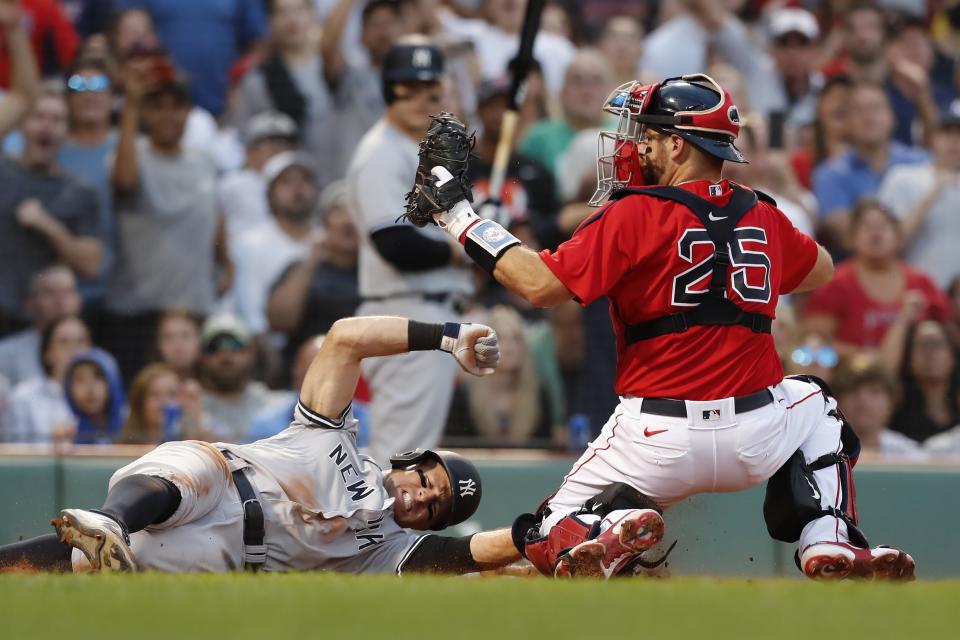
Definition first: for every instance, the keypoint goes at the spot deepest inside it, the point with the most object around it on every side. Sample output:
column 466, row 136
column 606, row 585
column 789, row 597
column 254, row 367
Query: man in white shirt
column 263, row 251
column 924, row 196
column 496, row 39
column 243, row 193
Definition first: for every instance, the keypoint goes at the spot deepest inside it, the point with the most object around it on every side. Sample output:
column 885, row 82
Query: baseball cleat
column 612, row 550
column 840, row 560
column 101, row 539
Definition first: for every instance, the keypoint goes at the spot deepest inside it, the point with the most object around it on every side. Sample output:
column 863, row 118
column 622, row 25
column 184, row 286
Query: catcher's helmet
column 693, row 107
column 465, row 486
column 410, row 62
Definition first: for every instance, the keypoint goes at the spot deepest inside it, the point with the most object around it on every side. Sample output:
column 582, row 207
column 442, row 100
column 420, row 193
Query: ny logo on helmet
column 422, row 58
column 467, row 487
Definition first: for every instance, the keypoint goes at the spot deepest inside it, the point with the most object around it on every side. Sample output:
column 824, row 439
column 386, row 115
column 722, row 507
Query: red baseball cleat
column 609, row 552
column 840, row 560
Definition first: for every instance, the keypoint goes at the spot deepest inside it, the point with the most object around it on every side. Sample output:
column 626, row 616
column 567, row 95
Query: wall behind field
column 914, row 508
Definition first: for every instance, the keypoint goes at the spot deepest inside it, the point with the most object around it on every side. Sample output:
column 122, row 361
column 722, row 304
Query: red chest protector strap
column 716, row 309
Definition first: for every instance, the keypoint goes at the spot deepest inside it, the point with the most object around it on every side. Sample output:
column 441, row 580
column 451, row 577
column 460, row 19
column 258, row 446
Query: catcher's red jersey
column 652, row 257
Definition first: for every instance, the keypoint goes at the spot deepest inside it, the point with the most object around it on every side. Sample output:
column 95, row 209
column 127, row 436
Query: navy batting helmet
column 410, row 62
column 693, row 107
column 465, row 486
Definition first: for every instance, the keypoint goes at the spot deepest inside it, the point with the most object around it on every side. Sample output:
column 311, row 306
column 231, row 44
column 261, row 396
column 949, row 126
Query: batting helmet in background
column 410, row 62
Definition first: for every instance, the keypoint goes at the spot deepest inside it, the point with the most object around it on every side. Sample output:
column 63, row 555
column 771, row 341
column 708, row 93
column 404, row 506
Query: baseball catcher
column 693, row 265
column 303, row 499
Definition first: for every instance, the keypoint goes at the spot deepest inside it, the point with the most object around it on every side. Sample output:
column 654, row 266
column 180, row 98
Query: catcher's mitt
column 447, row 145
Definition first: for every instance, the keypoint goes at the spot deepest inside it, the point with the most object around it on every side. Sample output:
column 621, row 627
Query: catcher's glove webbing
column 446, row 145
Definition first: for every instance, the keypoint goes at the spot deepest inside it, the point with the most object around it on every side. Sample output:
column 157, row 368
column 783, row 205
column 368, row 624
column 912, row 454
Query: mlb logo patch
column 711, row 414
column 715, row 190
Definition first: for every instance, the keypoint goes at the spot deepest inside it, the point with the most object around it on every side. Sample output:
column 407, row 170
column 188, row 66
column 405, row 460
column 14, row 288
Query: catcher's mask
column 465, row 486
column 693, row 107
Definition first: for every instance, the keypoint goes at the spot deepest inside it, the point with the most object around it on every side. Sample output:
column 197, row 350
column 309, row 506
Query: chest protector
column 716, row 308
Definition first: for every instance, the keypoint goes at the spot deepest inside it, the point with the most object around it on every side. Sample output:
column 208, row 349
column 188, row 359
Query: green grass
column 328, row 606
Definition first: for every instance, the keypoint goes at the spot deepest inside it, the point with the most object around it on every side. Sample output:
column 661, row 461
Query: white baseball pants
column 713, row 449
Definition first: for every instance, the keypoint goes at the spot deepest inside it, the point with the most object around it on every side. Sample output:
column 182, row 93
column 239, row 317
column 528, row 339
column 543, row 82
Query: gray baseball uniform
column 324, row 504
column 411, row 392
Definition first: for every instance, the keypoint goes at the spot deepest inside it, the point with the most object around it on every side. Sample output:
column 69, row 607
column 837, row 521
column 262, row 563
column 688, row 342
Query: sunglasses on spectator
column 224, row 342
column 826, row 357
column 931, row 343
column 80, row 84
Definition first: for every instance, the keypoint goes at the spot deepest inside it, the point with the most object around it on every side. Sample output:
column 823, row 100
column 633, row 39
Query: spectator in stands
column 953, row 322
column 930, row 380
column 46, row 216
column 769, row 170
column 506, row 408
column 528, row 194
column 793, row 88
column 52, row 37
column 23, row 82
column 839, row 183
column 814, row 355
column 95, row 396
column 171, row 234
column 135, row 44
column 38, row 411
column 868, row 292
column 52, row 295
column 699, row 31
column 205, row 38
column 242, row 194
column 356, row 86
column 270, row 421
column 496, row 39
column 830, row 130
column 924, row 197
column 586, row 84
column 862, row 57
column 867, row 395
column 90, row 146
column 291, row 81
column 265, row 251
column 323, row 287
column 920, row 83
column 178, row 342
column 163, row 408
column 230, row 396
column 621, row 43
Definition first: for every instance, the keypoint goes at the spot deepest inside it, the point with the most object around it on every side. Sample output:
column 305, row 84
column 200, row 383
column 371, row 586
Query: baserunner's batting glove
column 475, row 349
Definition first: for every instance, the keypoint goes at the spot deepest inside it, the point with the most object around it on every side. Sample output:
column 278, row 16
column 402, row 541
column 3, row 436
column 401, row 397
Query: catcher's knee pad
column 793, row 496
column 543, row 550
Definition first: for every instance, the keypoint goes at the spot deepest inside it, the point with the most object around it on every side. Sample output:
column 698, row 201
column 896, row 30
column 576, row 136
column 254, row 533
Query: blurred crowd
column 177, row 229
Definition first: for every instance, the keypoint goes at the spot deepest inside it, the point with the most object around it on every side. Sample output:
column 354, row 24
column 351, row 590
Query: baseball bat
column 521, row 68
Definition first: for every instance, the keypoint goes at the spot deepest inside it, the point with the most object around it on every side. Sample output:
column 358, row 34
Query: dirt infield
column 333, row 606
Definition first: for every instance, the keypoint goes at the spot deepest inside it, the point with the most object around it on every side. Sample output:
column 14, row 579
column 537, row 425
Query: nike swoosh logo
column 714, row 218
column 648, row 433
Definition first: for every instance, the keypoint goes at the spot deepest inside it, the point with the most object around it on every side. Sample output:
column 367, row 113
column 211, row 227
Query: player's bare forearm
column 332, row 377
column 493, row 549
column 523, row 272
column 24, row 77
